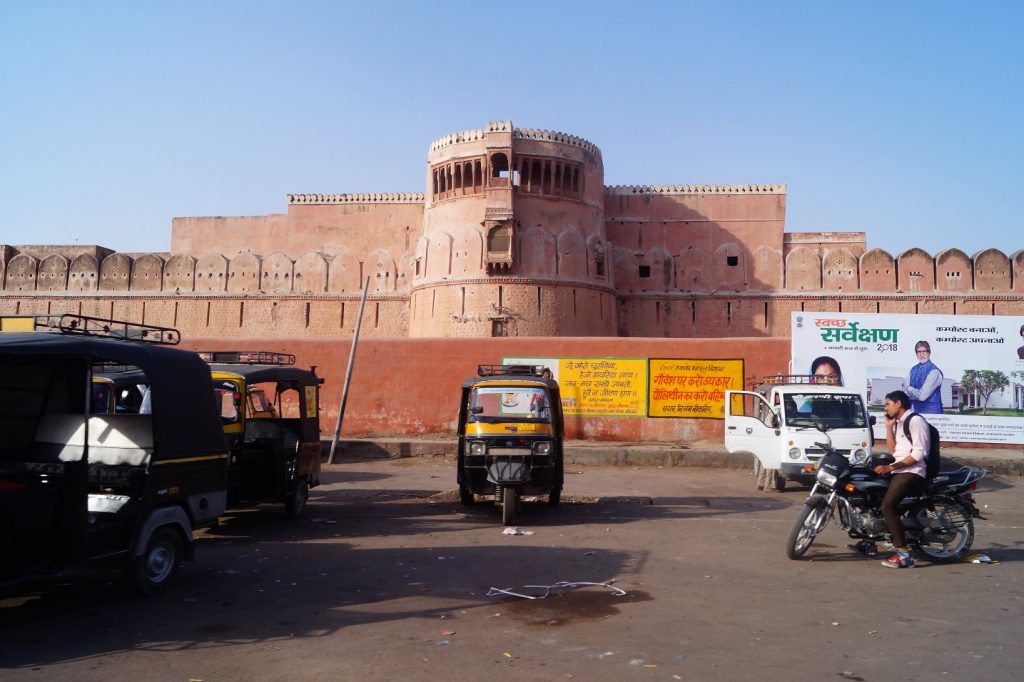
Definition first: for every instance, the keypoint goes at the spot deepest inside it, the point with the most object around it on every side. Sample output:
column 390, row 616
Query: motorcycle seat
column 949, row 479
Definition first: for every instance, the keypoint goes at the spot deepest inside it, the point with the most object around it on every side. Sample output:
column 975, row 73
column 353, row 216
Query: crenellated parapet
column 693, row 189
column 517, row 134
column 363, row 198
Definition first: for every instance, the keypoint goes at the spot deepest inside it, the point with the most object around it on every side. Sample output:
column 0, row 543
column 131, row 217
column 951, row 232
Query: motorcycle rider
column 908, row 471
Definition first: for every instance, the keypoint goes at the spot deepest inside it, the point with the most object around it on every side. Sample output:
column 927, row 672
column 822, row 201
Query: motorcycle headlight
column 794, row 453
column 541, row 448
column 860, row 456
column 826, row 478
column 477, row 448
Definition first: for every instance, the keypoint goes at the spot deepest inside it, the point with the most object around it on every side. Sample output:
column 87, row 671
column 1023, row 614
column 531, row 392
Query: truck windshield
column 837, row 411
column 509, row 403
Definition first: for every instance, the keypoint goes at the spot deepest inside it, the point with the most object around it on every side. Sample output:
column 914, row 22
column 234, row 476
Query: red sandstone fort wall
column 412, row 386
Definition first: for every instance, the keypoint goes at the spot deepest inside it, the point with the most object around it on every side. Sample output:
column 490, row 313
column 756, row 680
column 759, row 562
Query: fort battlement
column 517, row 134
column 694, row 189
column 387, row 198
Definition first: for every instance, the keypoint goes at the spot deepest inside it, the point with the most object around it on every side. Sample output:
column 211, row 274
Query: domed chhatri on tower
column 516, row 234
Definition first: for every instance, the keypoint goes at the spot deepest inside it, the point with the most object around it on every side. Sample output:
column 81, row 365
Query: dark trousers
column 901, row 485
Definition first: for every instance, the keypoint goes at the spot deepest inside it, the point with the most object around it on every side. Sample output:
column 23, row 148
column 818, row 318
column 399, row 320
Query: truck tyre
column 509, row 499
column 153, row 570
column 466, row 496
column 296, row 502
column 780, row 482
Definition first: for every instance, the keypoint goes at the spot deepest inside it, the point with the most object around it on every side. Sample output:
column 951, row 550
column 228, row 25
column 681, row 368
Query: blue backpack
column 932, row 460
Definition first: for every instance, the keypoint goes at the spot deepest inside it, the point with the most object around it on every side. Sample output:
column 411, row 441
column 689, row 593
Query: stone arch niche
column 626, row 270
column 803, row 270
column 343, row 273
column 147, row 273
column 916, row 271
column 244, row 273
column 689, row 266
column 953, row 271
column 658, row 262
column 21, row 273
column 727, row 267
column 211, row 272
column 537, row 251
column 467, row 252
column 439, row 256
column 420, row 260
column 278, row 270
column 84, row 273
column 380, row 267
column 310, row 274
column 406, row 271
column 52, row 274
column 180, row 273
column 597, row 258
column 991, row 271
column 115, row 272
column 840, row 270
column 764, row 269
column 1017, row 263
column 572, row 254
column 877, row 271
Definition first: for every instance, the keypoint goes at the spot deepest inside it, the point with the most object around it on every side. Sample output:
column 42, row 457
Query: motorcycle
column 938, row 523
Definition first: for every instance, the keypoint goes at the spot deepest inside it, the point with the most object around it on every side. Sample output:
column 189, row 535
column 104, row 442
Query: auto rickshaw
column 79, row 484
column 270, row 413
column 510, row 437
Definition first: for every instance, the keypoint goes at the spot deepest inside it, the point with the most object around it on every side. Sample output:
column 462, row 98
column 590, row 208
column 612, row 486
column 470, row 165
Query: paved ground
column 387, row 580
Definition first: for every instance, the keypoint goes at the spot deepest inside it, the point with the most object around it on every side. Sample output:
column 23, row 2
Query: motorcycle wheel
column 508, row 506
column 809, row 522
column 947, row 532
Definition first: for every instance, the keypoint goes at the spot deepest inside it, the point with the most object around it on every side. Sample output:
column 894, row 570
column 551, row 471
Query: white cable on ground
column 495, row 591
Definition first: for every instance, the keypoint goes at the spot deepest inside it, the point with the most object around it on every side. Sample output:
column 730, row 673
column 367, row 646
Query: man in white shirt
column 908, row 471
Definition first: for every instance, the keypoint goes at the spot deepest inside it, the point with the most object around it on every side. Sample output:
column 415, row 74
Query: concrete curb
column 1001, row 462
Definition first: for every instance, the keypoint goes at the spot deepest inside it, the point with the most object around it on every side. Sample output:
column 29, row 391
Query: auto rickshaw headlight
column 477, row 448
column 794, row 453
column 543, row 448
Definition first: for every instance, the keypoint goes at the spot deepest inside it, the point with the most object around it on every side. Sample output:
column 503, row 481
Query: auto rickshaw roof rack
column 510, row 370
column 784, row 379
column 83, row 325
column 246, row 357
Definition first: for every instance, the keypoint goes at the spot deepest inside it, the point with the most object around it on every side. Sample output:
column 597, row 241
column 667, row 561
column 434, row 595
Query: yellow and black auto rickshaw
column 80, row 482
column 270, row 412
column 510, row 437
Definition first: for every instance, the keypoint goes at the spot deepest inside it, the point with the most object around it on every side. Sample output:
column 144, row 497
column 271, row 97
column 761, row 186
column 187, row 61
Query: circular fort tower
column 513, row 237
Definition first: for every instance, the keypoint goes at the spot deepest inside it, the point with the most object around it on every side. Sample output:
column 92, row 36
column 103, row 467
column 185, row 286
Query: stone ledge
column 628, row 190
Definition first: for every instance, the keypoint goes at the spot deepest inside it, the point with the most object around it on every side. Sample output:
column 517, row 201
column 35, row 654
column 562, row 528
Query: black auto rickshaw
column 80, row 484
column 510, row 437
column 270, row 412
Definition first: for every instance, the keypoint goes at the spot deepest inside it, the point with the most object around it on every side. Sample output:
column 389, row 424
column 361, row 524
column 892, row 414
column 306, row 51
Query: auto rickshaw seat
column 114, row 439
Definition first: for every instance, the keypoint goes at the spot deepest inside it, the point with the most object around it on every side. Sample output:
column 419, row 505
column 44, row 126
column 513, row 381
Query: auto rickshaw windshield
column 510, row 403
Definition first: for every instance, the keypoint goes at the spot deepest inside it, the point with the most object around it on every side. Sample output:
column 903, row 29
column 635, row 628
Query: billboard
column 964, row 372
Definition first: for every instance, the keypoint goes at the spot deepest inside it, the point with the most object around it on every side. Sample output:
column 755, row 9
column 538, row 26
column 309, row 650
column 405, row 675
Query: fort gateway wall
column 412, row 386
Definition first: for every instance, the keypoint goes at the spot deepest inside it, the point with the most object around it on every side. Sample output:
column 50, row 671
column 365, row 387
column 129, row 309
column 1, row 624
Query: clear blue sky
column 901, row 120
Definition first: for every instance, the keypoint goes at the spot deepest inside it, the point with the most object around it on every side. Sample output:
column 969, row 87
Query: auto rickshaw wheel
column 296, row 502
column 153, row 570
column 466, row 497
column 509, row 500
column 554, row 497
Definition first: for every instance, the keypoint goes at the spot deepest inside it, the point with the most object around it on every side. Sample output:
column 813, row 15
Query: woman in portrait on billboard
column 825, row 370
column 924, row 382
column 1020, row 351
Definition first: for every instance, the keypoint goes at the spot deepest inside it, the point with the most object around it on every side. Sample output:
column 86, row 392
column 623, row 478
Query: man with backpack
column 909, row 437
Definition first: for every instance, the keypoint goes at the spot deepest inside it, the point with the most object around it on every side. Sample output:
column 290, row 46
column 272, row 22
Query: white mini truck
column 778, row 424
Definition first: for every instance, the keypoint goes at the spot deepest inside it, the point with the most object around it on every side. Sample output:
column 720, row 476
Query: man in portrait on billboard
column 924, row 383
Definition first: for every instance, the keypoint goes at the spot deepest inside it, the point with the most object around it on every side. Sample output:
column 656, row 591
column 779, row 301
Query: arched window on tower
column 444, row 185
column 576, row 181
column 467, row 176
column 499, row 165
column 546, row 189
column 535, row 177
column 478, row 175
column 499, row 240
column 458, row 176
column 567, row 181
